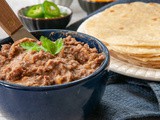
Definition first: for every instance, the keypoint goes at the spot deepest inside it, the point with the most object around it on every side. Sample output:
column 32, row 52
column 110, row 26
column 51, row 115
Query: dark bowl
column 42, row 23
column 70, row 101
column 90, row 6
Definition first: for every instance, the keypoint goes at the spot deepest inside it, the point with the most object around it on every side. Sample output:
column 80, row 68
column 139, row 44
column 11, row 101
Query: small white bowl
column 66, row 3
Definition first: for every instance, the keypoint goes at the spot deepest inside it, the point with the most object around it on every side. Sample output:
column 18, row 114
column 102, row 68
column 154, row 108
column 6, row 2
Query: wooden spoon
column 11, row 24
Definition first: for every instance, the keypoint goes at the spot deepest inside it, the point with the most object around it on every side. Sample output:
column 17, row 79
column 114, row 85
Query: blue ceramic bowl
column 70, row 101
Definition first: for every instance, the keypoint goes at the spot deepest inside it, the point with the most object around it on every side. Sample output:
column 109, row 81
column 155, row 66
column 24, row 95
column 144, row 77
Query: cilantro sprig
column 47, row 45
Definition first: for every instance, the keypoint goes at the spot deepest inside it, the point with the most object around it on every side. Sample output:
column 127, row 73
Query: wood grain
column 8, row 20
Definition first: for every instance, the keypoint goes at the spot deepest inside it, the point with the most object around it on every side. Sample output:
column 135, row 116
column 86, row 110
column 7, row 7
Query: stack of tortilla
column 130, row 31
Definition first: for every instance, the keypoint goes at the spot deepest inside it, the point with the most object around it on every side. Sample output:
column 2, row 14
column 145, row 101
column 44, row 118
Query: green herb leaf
column 27, row 45
column 31, row 46
column 58, row 45
column 47, row 45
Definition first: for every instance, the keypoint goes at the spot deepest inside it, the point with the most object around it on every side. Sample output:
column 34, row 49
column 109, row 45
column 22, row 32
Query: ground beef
column 30, row 68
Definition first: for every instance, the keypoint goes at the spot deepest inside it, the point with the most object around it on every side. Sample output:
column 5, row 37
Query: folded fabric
column 126, row 98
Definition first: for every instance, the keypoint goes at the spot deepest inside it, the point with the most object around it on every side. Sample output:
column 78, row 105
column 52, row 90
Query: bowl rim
column 102, row 67
column 94, row 2
column 57, row 18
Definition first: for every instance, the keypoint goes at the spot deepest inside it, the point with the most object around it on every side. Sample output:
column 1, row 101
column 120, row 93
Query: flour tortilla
column 135, row 50
column 130, row 31
column 134, row 24
column 155, row 59
column 148, row 64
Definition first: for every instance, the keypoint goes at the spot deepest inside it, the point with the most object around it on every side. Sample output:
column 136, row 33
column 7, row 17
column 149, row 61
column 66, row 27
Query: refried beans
column 30, row 68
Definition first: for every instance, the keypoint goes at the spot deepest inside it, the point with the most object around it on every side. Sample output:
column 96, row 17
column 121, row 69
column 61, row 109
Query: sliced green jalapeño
column 51, row 9
column 35, row 11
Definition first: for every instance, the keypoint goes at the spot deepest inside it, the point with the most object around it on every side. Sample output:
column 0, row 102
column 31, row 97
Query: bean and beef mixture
column 30, row 68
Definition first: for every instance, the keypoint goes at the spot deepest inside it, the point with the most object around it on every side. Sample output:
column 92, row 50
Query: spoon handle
column 8, row 20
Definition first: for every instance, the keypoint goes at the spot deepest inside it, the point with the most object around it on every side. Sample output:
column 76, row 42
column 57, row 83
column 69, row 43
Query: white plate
column 128, row 69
